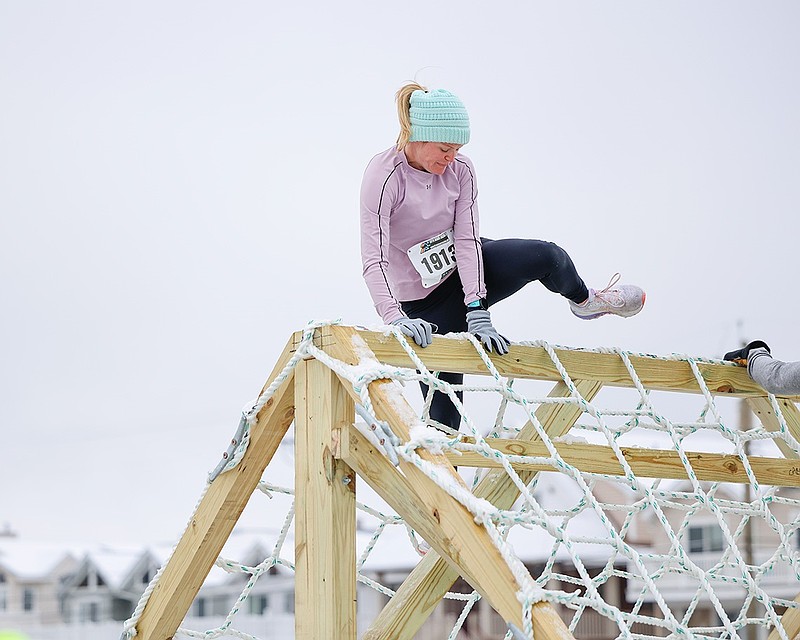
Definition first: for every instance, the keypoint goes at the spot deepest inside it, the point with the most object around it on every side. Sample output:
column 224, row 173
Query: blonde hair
column 403, row 99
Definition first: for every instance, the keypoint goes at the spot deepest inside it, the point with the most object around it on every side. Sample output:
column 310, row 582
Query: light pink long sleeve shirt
column 402, row 207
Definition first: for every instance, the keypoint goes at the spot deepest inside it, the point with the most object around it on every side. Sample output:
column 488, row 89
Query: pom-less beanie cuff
column 438, row 116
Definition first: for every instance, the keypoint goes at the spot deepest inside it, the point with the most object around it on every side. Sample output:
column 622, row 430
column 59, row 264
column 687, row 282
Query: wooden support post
column 428, row 583
column 215, row 517
column 325, row 519
column 762, row 408
column 790, row 622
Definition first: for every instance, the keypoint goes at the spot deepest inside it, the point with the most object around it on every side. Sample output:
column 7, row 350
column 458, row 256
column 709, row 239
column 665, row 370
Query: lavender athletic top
column 401, row 207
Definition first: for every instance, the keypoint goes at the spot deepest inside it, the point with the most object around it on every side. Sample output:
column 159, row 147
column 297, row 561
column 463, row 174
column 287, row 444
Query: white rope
column 638, row 565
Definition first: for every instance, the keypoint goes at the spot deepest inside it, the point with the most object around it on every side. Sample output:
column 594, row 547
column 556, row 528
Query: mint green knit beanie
column 438, row 116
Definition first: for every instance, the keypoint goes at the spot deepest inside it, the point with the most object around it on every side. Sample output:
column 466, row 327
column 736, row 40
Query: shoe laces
column 610, row 295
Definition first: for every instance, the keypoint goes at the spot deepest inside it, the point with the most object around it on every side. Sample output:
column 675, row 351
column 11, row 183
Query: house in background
column 107, row 584
column 707, row 548
column 268, row 610
column 31, row 576
column 47, row 593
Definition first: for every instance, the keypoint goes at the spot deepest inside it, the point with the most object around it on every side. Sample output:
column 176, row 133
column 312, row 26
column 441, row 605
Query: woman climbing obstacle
column 425, row 264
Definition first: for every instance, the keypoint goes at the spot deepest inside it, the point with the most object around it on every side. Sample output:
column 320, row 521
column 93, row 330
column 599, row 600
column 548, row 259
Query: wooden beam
column 556, row 420
column 325, row 519
column 430, row 580
column 457, row 355
column 645, row 463
column 444, row 523
column 790, row 621
column 216, row 515
column 456, row 541
column 763, row 410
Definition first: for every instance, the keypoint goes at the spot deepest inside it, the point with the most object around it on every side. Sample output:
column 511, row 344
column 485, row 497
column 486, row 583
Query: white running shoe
column 626, row 300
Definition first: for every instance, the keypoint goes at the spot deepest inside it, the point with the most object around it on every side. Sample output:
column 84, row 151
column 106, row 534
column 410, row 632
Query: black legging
column 509, row 265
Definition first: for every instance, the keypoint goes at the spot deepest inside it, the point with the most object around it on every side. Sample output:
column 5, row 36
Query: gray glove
column 417, row 328
column 479, row 323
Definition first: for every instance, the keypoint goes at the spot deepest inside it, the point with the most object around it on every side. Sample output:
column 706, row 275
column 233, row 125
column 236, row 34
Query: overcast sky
column 179, row 193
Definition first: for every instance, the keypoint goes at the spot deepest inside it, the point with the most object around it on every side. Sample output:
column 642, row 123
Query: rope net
column 619, row 555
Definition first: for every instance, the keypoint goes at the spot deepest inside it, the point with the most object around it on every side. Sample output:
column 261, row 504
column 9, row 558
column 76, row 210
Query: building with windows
column 107, row 584
column 31, row 577
column 757, row 543
column 64, row 594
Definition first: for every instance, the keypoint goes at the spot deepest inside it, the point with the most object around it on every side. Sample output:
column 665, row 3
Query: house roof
column 32, row 561
column 114, row 564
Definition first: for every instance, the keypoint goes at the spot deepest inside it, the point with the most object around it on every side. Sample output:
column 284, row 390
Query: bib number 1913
column 435, row 262
column 434, row 258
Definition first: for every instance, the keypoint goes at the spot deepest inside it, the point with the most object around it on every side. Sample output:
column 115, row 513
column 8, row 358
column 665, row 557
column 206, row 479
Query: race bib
column 434, row 258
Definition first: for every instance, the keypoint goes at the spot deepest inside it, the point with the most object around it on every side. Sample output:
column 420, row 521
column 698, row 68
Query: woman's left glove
column 479, row 323
column 418, row 329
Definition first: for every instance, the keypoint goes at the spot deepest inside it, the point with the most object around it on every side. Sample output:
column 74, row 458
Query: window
column 220, row 606
column 258, row 604
column 27, row 599
column 200, row 607
column 92, row 579
column 3, row 593
column 89, row 612
column 705, row 538
column 289, row 603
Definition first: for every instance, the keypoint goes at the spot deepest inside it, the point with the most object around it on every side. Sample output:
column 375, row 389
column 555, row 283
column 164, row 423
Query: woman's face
column 433, row 157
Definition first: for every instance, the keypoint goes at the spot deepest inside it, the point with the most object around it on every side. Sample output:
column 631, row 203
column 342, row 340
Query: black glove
column 479, row 323
column 418, row 329
column 744, row 352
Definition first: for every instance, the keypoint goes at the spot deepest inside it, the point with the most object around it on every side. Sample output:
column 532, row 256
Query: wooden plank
column 430, row 580
column 216, row 515
column 325, row 518
column 762, row 408
column 457, row 355
column 455, row 543
column 556, row 420
column 414, row 601
column 645, row 463
column 446, row 525
column 790, row 621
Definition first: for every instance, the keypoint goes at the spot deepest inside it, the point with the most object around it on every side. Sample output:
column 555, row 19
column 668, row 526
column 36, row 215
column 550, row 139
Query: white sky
column 179, row 193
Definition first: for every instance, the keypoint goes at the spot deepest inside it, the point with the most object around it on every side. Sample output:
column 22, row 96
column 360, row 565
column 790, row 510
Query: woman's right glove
column 479, row 323
column 418, row 329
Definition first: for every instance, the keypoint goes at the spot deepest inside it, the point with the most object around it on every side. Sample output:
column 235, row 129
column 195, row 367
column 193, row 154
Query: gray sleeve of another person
column 777, row 377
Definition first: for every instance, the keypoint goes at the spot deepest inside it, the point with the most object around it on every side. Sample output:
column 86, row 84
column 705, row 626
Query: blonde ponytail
column 403, row 99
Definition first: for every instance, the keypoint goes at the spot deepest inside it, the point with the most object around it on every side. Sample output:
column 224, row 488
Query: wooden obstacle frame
column 330, row 453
